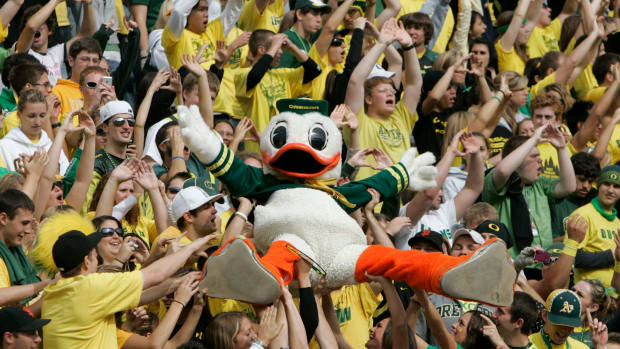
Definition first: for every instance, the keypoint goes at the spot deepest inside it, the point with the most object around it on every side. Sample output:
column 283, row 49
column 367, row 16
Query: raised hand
column 382, row 160
column 350, row 119
column 337, row 115
column 470, row 146
column 240, row 41
column 359, row 159
column 397, row 224
column 222, row 53
column 160, row 79
column 454, row 144
column 146, row 177
column 598, row 331
column 555, row 137
column 401, row 35
column 176, row 84
column 268, row 328
column 490, row 330
column 125, row 170
column 36, row 164
column 375, row 198
column 53, row 107
column 576, row 228
column 187, row 289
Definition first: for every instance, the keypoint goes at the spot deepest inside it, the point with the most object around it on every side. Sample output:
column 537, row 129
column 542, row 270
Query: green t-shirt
column 287, row 60
column 152, row 11
column 562, row 209
column 537, row 198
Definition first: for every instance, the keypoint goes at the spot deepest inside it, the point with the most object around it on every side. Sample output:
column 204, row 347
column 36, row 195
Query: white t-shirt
column 440, row 220
column 52, row 60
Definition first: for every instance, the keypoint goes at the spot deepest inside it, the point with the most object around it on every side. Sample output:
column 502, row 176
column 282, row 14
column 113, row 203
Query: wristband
column 183, row 305
column 56, row 125
column 570, row 247
column 497, row 98
column 617, row 267
column 242, row 216
column 408, row 47
column 178, row 157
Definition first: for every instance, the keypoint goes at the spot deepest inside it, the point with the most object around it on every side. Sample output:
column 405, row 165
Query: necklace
column 304, row 43
column 547, row 341
column 107, row 155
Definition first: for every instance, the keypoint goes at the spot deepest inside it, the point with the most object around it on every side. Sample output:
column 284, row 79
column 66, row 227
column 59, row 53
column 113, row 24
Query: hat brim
column 563, row 320
column 94, row 238
column 35, row 324
column 422, row 238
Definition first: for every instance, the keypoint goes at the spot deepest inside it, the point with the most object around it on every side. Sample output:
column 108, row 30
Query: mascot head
column 301, row 142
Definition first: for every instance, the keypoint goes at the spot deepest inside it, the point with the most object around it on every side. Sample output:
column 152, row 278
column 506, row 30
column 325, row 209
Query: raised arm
column 413, row 77
column 489, row 115
column 9, row 10
column 435, row 323
column 123, row 172
column 460, row 41
column 32, row 26
column 510, row 163
column 579, row 58
column 77, row 195
column 88, row 27
column 569, row 9
column 178, row 17
column 391, row 10
column 400, row 329
column 509, row 38
column 475, row 176
column 567, row 184
column 355, row 90
column 146, row 179
column 139, row 12
column 331, row 26
column 378, row 233
column 603, row 142
column 441, row 86
column 205, row 104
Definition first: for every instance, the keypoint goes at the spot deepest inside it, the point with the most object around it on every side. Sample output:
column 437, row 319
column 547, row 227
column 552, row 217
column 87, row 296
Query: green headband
column 501, row 30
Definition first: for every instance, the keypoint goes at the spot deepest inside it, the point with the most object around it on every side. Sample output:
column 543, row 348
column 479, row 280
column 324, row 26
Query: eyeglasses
column 91, row 84
column 45, row 84
column 337, row 42
column 174, row 190
column 386, row 90
column 110, row 231
column 118, row 122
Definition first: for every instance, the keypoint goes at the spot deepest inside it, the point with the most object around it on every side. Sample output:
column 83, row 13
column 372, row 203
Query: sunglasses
column 110, row 231
column 118, row 122
column 337, row 42
column 174, row 190
column 91, row 84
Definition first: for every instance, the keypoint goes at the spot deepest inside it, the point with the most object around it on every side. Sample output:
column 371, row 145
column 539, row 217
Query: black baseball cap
column 71, row 248
column 16, row 319
column 435, row 238
column 496, row 228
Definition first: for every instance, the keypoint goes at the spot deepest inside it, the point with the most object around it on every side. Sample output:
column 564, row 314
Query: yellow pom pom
column 49, row 232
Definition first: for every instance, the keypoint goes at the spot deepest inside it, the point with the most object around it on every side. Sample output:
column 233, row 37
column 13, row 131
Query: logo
column 567, row 307
column 494, row 227
column 613, row 176
column 425, row 233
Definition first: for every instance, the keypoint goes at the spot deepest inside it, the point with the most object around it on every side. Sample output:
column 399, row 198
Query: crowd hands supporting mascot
column 299, row 174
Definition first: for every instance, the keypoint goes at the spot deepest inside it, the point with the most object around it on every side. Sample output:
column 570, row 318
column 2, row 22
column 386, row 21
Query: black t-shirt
column 498, row 138
column 429, row 131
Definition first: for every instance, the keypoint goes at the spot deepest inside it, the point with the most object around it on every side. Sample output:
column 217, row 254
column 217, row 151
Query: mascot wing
column 198, row 137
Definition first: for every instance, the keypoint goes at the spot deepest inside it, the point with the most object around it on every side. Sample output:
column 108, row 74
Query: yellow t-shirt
column 536, row 89
column 509, row 60
column 190, row 43
column 70, row 97
column 550, row 162
column 614, row 146
column 316, row 88
column 83, row 308
column 250, row 19
column 226, row 101
column 390, row 135
column 408, row 6
column 595, row 94
column 260, row 101
column 10, row 122
column 543, row 40
column 4, row 31
column 5, row 279
column 122, row 337
column 600, row 237
column 221, row 305
column 585, row 82
column 571, row 343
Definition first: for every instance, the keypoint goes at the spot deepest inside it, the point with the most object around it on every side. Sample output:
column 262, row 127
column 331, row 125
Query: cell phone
column 107, row 80
column 542, row 256
column 18, row 164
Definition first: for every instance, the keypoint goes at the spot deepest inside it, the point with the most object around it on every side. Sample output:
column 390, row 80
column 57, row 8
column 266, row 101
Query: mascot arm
column 240, row 179
column 388, row 182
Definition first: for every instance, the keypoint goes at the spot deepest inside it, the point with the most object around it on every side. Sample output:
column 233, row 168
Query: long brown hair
column 131, row 217
column 221, row 332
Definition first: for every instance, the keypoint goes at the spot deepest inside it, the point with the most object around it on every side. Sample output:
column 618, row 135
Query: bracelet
column 183, row 305
column 502, row 92
column 497, row 98
column 570, row 247
column 56, row 125
column 241, row 215
column 120, row 261
column 617, row 268
column 178, row 157
column 408, row 47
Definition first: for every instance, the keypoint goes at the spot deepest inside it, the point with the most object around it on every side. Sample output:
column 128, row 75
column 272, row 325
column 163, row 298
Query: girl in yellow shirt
column 516, row 29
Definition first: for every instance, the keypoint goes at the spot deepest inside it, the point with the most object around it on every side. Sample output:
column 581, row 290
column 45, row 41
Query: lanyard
column 303, row 41
column 110, row 158
column 545, row 338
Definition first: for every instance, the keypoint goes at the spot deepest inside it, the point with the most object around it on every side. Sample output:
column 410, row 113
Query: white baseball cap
column 113, row 108
column 189, row 199
column 476, row 236
column 377, row 70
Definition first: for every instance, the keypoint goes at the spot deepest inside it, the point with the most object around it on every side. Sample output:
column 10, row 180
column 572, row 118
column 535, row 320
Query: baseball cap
column 16, row 319
column 469, row 232
column 302, row 105
column 496, row 228
column 113, row 108
column 205, row 183
column 563, row 308
column 313, row 4
column 610, row 174
column 378, row 71
column 433, row 237
column 71, row 248
column 190, row 198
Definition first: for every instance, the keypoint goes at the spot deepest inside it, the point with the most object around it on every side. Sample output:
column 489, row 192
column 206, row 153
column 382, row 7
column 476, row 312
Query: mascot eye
column 318, row 137
column 278, row 136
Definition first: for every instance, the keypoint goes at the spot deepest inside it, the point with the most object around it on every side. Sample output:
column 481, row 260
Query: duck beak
column 301, row 161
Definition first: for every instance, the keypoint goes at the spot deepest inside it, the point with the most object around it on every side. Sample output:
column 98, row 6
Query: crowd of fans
column 107, row 218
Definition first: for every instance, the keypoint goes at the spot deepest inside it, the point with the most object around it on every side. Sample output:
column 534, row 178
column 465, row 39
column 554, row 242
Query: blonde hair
column 456, row 122
column 222, row 331
column 11, row 181
column 478, row 213
column 516, row 82
column 445, row 60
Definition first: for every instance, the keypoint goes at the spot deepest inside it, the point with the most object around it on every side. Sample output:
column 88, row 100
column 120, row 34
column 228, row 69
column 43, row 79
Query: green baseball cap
column 205, row 183
column 610, row 174
column 302, row 105
column 564, row 308
column 313, row 4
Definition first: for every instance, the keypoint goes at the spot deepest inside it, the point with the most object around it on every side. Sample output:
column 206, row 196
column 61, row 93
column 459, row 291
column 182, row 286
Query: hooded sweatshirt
column 15, row 142
column 454, row 183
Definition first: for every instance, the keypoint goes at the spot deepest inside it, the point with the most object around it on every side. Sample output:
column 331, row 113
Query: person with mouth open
column 514, row 187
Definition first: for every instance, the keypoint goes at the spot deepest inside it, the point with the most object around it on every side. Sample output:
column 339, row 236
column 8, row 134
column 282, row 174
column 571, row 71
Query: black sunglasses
column 118, row 122
column 91, row 84
column 110, row 231
column 337, row 42
column 174, row 190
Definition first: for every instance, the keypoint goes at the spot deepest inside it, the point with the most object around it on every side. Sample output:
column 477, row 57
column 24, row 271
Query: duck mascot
column 300, row 215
